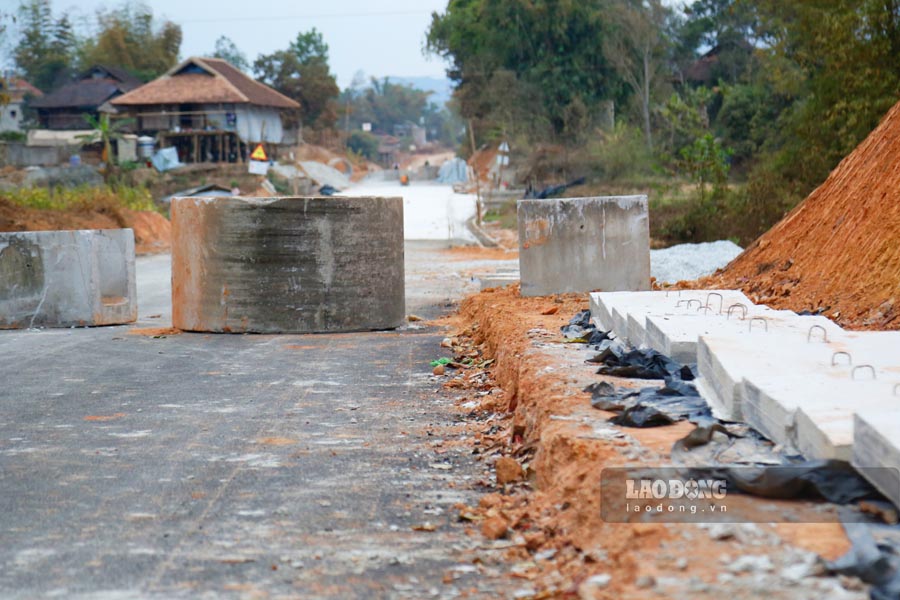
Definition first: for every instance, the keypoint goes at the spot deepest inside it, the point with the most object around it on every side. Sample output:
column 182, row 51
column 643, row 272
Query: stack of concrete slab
column 67, row 278
column 757, row 347
column 796, row 379
column 810, row 400
column 584, row 244
column 626, row 313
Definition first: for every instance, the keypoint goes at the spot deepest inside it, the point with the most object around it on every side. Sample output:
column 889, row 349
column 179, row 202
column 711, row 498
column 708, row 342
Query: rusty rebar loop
column 834, row 358
column 763, row 320
column 721, row 300
column 822, row 329
column 740, row 305
column 858, row 367
column 707, row 308
column 689, row 303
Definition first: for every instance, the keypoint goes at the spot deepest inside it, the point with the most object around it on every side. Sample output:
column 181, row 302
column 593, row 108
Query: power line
column 398, row 13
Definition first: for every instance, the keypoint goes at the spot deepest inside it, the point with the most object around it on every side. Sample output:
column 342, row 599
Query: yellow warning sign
column 259, row 154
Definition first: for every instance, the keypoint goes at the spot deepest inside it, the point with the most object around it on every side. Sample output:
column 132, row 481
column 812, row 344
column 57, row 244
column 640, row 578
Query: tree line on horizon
column 49, row 52
column 753, row 100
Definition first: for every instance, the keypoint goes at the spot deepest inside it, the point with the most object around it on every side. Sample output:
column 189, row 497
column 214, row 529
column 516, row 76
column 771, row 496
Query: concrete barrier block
column 287, row 265
column 67, row 278
column 584, row 244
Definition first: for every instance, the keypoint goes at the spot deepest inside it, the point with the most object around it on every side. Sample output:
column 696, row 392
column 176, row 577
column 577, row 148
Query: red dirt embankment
column 152, row 231
column 838, row 251
column 550, row 426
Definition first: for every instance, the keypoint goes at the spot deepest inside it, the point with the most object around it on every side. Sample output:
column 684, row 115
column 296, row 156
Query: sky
column 378, row 37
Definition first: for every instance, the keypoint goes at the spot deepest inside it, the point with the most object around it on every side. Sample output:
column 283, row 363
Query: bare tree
column 635, row 46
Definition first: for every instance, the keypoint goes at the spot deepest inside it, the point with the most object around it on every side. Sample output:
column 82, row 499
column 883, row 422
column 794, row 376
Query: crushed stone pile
column 838, row 252
column 690, row 261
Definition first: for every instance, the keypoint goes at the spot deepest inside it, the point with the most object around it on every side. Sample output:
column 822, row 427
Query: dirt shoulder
column 152, row 231
column 561, row 545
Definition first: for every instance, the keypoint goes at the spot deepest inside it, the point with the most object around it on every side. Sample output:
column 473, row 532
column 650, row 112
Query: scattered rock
column 550, row 311
column 721, row 531
column 591, row 587
column 645, row 582
column 751, row 564
column 494, row 528
column 439, row 370
column 414, row 318
column 508, row 470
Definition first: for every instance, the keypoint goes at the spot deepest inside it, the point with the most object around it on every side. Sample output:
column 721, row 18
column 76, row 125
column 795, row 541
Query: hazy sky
column 379, row 37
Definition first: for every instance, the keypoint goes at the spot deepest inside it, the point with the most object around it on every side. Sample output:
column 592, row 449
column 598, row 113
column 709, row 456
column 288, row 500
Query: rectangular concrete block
column 584, row 244
column 67, row 278
column 876, row 439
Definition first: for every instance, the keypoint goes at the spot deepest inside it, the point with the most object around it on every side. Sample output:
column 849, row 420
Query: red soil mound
column 838, row 251
column 152, row 231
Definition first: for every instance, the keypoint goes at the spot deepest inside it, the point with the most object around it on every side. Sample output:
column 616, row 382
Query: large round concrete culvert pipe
column 287, row 265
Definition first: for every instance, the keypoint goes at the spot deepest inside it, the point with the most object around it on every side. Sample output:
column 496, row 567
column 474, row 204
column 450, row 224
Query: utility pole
column 477, row 180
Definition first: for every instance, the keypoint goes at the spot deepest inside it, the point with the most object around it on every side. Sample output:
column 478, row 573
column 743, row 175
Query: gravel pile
column 691, row 261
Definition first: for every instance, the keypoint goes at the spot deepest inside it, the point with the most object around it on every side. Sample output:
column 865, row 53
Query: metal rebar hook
column 743, row 307
column 858, row 367
column 822, row 329
column 762, row 320
column 706, row 308
column 721, row 300
column 841, row 353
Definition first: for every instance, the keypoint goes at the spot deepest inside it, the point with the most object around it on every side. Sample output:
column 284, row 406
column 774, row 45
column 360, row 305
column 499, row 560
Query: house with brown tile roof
column 211, row 112
column 90, row 93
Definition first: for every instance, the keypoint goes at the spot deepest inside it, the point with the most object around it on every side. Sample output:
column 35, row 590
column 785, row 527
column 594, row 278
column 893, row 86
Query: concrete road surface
column 235, row 466
column 432, row 211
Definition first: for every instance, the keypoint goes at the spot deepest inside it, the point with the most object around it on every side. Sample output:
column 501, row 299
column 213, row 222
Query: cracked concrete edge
column 484, row 239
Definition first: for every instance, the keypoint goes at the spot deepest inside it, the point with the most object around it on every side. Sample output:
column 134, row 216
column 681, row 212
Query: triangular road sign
column 259, row 154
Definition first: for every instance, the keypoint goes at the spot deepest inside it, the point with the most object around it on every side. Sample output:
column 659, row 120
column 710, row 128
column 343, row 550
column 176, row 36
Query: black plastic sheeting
column 551, row 191
column 834, row 481
column 875, row 561
column 651, row 406
column 640, row 364
column 581, row 329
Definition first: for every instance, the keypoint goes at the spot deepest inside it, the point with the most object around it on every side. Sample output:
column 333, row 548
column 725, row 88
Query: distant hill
column 442, row 88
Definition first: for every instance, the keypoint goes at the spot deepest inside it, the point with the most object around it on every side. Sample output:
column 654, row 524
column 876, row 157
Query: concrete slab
column 67, row 278
column 287, row 265
column 811, row 405
column 876, row 440
column 678, row 335
column 584, row 244
column 727, row 356
column 625, row 313
column 498, row 280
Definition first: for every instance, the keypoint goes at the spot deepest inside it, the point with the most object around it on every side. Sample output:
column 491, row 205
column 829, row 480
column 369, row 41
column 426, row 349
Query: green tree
column 130, row 38
column 226, row 49
column 301, row 72
column 837, row 64
column 44, row 51
column 552, row 48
